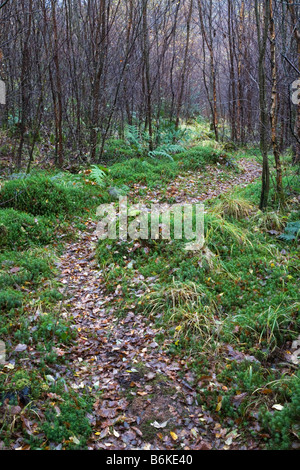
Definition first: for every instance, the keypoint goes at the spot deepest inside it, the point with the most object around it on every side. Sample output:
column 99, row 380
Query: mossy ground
column 235, row 339
column 254, row 285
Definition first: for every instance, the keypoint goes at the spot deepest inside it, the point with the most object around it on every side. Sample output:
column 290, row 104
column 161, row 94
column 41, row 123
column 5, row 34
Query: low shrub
column 10, row 299
column 284, row 424
column 292, row 232
column 147, row 171
column 268, row 221
column 117, row 150
column 152, row 171
column 71, row 425
column 197, row 158
column 42, row 195
column 35, row 195
column 19, row 230
column 16, row 269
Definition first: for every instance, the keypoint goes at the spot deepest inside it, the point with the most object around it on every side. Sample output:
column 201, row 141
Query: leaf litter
column 148, row 399
column 144, row 398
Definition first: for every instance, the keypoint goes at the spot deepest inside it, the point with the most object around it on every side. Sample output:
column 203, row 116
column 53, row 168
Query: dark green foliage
column 117, row 150
column 168, row 141
column 50, row 327
column 17, row 268
column 19, row 230
column 243, row 377
column 10, row 299
column 43, row 195
column 71, row 423
column 35, row 195
column 50, row 295
column 284, row 425
column 197, row 158
column 147, row 171
column 291, row 232
column 153, row 172
column 22, row 384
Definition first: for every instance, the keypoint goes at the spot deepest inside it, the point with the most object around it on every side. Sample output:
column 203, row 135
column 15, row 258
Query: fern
column 171, row 148
column 292, row 231
column 160, row 153
column 99, row 175
column 166, row 151
column 134, row 138
column 169, row 141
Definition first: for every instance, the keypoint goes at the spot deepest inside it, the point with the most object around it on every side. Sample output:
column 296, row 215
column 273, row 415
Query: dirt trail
column 195, row 187
column 140, row 382
column 149, row 400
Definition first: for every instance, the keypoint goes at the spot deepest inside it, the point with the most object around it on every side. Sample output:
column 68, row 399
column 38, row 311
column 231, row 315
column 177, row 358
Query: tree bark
column 262, row 34
column 274, row 107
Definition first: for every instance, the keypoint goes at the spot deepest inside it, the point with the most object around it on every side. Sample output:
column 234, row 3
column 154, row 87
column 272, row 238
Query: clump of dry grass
column 233, row 206
column 175, row 295
column 216, row 225
column 190, row 308
column 200, row 321
column 269, row 221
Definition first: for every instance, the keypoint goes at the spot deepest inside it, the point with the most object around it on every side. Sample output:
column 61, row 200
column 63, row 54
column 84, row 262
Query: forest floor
column 149, row 400
column 197, row 187
column 138, row 344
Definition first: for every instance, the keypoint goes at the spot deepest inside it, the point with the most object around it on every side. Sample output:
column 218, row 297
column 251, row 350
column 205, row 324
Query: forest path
column 148, row 398
column 196, row 187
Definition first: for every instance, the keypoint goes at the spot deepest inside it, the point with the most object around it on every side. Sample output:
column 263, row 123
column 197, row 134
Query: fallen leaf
column 278, row 407
column 21, row 347
column 159, row 426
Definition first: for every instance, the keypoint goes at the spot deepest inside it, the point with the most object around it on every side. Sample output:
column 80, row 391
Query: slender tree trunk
column 262, row 33
column 59, row 132
column 101, row 38
column 232, row 86
column 209, row 44
column 128, row 47
column 274, row 107
column 146, row 57
column 240, row 107
column 296, row 29
column 185, row 62
column 24, row 86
